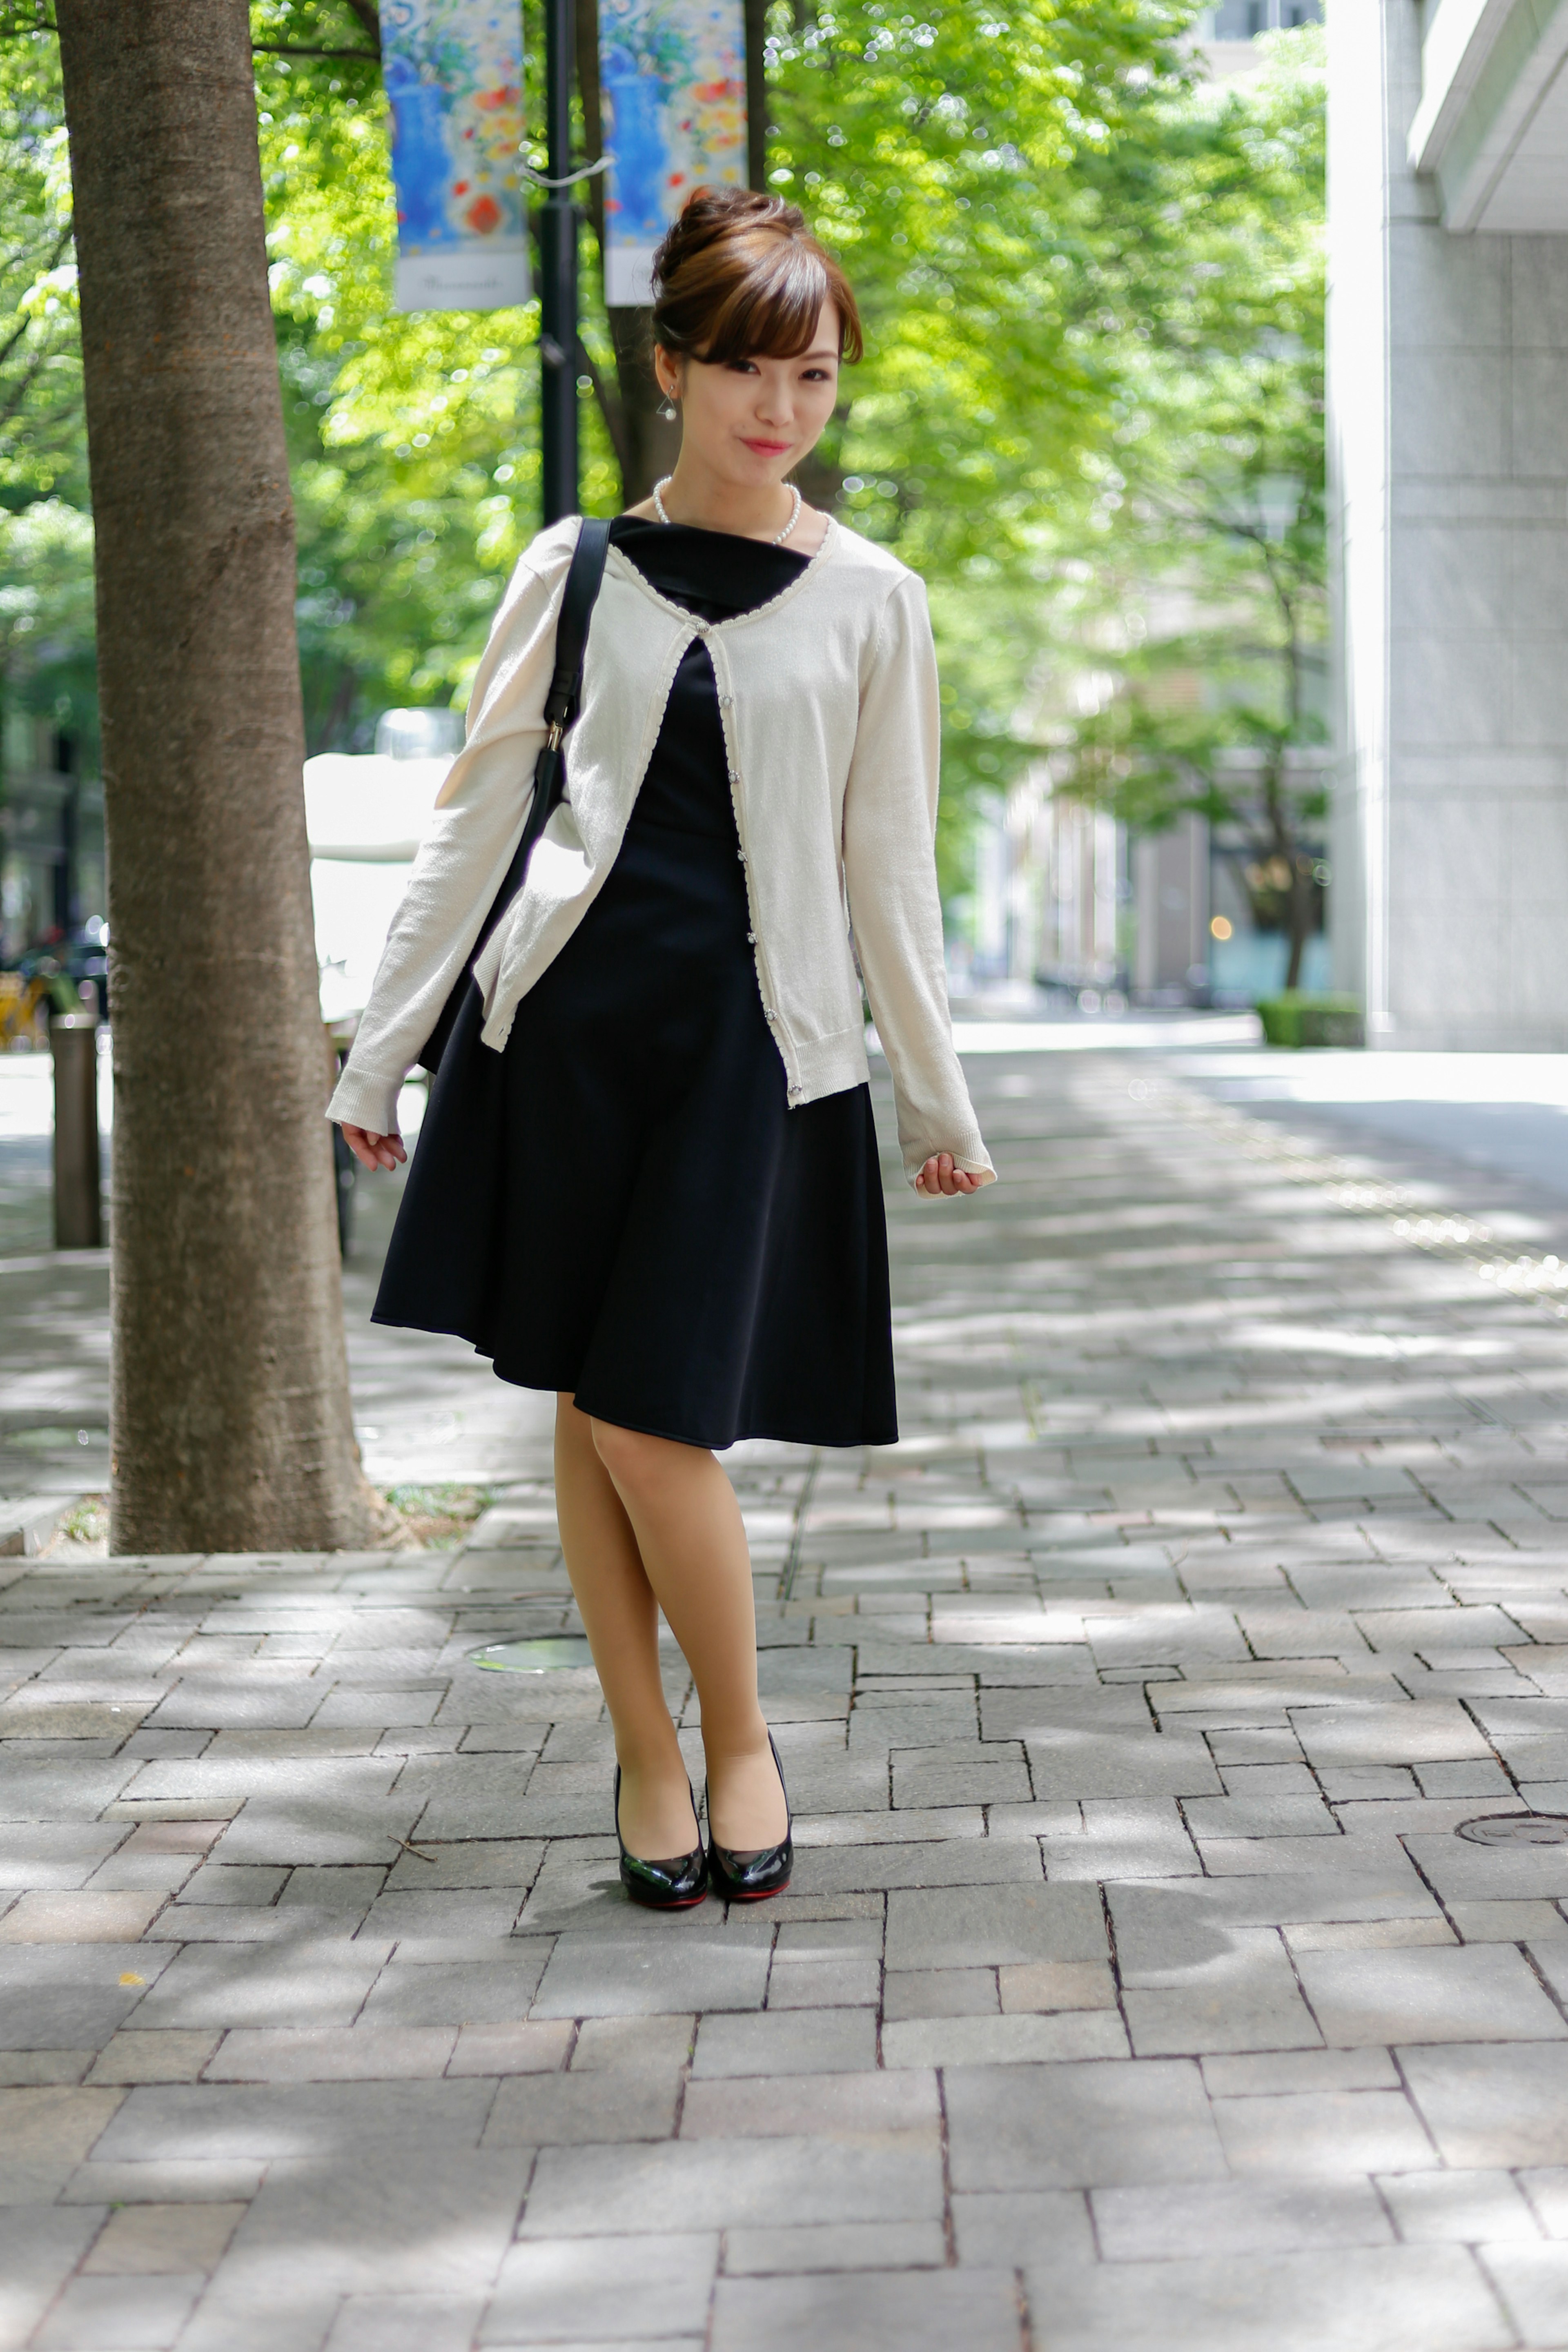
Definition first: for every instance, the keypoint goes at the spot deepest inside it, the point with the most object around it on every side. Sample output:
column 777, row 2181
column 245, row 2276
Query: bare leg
column 621, row 1618
column 691, row 1544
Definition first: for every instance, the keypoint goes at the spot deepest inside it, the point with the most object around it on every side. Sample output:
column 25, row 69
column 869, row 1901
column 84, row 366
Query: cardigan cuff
column 365, row 1100
column 969, row 1155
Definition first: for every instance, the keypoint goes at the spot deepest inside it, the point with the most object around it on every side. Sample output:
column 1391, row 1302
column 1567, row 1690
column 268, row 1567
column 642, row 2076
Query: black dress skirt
column 621, row 1204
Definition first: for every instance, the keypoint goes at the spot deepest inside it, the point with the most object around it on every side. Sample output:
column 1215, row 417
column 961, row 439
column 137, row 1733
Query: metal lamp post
column 558, row 277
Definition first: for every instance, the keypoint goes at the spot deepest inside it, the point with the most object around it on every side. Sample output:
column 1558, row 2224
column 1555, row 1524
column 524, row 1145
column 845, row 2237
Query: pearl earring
column 667, row 411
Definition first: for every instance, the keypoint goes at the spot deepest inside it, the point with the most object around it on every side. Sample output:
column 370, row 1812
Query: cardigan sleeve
column 472, row 837
column 889, row 871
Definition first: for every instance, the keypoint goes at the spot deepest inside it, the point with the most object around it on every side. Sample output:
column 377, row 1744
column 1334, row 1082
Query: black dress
column 621, row 1204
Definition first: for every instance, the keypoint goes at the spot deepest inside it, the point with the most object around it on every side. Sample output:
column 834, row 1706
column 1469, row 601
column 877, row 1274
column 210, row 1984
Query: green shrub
column 1294, row 1019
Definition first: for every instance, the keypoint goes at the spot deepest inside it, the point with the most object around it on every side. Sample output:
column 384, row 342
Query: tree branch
column 609, row 408
column 300, row 50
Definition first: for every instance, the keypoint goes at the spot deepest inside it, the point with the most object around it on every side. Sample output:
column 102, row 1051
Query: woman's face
column 751, row 420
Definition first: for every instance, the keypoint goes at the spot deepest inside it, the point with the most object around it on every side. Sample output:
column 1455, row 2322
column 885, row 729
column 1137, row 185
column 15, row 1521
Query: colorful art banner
column 673, row 77
column 453, row 70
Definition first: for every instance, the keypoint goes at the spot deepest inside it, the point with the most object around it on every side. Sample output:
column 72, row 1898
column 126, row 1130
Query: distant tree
column 232, row 1428
column 1199, row 594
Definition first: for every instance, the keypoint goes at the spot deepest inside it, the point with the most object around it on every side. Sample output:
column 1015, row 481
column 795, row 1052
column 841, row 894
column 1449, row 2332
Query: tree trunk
column 232, row 1428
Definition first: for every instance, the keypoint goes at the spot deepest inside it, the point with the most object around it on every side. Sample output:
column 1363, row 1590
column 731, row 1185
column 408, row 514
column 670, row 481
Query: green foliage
column 1092, row 295
column 46, row 538
column 1203, row 606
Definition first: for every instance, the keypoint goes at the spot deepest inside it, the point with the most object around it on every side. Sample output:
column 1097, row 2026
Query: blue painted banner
column 673, row 77
column 453, row 70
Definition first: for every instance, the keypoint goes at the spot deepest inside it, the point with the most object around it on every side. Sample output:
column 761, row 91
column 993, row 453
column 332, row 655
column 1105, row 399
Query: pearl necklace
column 659, row 489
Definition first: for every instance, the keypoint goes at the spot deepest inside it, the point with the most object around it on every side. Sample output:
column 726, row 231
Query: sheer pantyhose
column 645, row 1525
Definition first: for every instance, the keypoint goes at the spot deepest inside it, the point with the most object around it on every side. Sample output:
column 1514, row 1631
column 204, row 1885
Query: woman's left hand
column 939, row 1176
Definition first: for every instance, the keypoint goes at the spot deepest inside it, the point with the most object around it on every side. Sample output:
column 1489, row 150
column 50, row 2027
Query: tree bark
column 232, row 1428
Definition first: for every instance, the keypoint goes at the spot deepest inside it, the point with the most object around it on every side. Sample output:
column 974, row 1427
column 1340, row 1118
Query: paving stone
column 1421, row 1731
column 164, row 2180
column 1071, row 1763
column 715, row 2184
column 841, row 2246
column 824, row 1984
column 920, row 2311
column 945, row 1993
column 1075, row 2125
column 543, row 2110
column 220, row 1882
column 71, row 1996
column 1546, row 2187
column 962, row 1863
column 1510, row 1923
column 376, row 2218
column 1492, row 2105
column 334, row 1887
column 1383, row 2299
column 492, row 1991
column 1237, row 2217
column 791, row 2041
column 407, row 2323
column 153, row 2240
column 1429, row 1995
column 826, row 2106
column 221, row 2121
column 1322, row 2135
column 312, row 1982
column 993, row 1926
column 1533, row 2280
column 1007, row 2229
column 28, row 2069
column 697, row 1967
column 40, row 2246
column 1242, row 1997
column 121, row 2314
column 171, row 2056
column 528, row 2048
column 631, row 2045
column 88, row 1917
column 1254, row 2076
column 353, row 2053
column 497, row 1862
column 579, row 2290
column 1468, row 2208
column 1003, row 2040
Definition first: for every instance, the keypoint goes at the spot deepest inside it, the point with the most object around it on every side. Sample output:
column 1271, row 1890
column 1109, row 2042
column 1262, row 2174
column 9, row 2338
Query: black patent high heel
column 746, row 1877
column 672, row 1885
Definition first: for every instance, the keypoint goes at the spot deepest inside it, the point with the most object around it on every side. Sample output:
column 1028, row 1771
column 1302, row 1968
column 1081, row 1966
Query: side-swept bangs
column 740, row 276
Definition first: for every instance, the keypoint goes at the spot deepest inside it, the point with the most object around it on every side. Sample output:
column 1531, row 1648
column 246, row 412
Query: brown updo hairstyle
column 740, row 276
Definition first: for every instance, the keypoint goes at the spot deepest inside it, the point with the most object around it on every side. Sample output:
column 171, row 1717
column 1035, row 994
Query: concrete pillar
column 1449, row 485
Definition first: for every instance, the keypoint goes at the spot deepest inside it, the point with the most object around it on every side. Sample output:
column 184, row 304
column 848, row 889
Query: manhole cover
column 548, row 1657
column 1517, row 1829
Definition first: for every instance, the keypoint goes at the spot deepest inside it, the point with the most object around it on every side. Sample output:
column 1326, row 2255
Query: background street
column 1145, row 1981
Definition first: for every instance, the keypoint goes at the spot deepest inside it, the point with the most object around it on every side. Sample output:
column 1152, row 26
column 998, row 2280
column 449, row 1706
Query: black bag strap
column 572, row 627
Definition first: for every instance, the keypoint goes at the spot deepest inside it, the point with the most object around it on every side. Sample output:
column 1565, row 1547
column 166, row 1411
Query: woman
column 647, row 1177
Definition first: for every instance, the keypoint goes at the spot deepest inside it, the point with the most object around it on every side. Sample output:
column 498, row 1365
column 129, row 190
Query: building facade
column 1448, row 414
column 52, row 875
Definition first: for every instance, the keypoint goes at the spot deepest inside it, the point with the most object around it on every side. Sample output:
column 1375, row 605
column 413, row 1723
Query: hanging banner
column 673, row 77
column 453, row 70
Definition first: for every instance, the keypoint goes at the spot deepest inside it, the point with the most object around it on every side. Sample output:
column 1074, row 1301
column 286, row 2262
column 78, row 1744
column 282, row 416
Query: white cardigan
column 829, row 700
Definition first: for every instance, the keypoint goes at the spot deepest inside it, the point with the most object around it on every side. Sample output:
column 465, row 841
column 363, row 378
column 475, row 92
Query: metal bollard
column 79, row 1209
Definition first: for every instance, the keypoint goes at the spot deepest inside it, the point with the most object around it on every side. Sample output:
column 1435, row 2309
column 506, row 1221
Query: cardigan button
column 751, row 939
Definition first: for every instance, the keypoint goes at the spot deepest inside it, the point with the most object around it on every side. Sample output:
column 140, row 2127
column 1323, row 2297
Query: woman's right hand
column 374, row 1150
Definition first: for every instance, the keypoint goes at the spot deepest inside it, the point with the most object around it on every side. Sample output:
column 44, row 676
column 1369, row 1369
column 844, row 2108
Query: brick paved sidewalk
column 1135, row 1990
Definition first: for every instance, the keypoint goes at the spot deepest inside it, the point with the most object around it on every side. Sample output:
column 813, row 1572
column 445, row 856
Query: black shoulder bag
column 561, row 704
